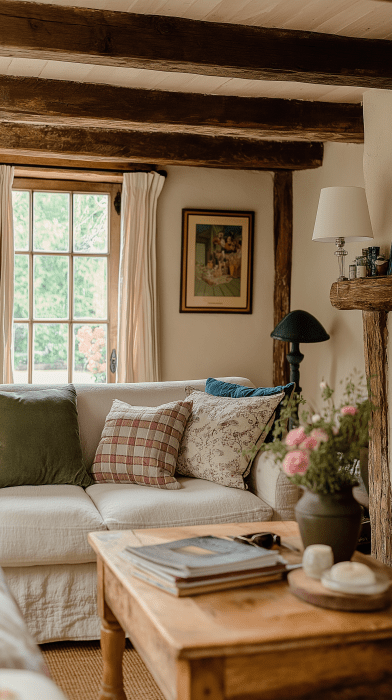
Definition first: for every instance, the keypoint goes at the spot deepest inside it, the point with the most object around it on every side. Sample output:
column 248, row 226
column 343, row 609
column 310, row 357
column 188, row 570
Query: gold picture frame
column 217, row 261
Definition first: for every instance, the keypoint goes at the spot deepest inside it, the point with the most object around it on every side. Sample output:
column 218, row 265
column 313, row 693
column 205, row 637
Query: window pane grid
column 34, row 334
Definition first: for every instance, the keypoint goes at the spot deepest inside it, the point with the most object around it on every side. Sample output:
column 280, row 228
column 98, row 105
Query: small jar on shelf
column 352, row 270
column 381, row 265
column 361, row 266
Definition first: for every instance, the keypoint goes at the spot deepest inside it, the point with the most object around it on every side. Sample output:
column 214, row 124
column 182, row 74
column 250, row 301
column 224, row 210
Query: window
column 66, row 276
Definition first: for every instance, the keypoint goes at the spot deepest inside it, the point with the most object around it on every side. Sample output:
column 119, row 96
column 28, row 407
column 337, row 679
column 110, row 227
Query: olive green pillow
column 39, row 438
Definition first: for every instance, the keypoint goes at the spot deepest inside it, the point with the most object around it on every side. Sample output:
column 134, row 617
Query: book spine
column 373, row 252
column 389, row 271
column 208, row 587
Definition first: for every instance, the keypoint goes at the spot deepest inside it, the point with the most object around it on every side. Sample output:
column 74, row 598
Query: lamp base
column 342, row 278
column 341, row 253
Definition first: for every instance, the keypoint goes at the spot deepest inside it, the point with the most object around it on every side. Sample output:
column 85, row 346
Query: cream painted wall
column 197, row 345
column 201, row 345
column 377, row 162
column 315, row 268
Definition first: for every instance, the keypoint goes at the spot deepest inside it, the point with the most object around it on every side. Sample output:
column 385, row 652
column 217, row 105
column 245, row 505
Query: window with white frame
column 66, row 277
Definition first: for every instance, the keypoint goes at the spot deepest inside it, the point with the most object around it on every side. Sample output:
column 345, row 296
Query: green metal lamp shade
column 300, row 327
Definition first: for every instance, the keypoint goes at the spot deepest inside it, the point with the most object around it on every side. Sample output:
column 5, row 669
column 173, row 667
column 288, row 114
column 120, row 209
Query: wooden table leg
column 112, row 645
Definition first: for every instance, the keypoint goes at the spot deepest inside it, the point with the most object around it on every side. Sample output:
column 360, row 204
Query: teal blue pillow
column 236, row 391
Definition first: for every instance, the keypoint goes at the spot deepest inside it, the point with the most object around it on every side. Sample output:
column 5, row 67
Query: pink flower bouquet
column 322, row 452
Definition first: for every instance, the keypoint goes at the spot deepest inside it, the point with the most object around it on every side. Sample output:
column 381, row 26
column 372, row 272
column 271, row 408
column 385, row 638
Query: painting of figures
column 216, row 261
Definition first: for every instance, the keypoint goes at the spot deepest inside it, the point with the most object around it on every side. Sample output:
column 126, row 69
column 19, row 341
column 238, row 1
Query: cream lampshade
column 342, row 215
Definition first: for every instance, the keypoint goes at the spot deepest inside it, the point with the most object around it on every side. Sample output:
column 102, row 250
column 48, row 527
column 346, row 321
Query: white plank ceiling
column 355, row 18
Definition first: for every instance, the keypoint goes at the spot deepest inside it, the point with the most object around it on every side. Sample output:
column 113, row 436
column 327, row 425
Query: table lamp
column 298, row 327
column 342, row 215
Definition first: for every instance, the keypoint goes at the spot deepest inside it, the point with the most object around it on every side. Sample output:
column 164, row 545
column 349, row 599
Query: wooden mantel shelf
column 367, row 294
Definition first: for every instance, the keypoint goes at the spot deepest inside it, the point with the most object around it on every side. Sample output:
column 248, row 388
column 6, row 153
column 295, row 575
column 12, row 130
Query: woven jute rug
column 76, row 667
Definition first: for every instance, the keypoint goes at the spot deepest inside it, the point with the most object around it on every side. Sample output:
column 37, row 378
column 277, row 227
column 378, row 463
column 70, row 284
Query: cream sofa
column 47, row 562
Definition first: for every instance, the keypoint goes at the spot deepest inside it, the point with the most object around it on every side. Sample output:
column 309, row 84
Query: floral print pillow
column 217, row 433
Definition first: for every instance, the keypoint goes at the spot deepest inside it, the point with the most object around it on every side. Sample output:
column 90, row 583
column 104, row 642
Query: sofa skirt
column 58, row 601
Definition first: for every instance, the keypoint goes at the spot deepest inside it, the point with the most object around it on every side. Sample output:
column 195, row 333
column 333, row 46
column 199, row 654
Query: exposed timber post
column 374, row 297
column 283, row 244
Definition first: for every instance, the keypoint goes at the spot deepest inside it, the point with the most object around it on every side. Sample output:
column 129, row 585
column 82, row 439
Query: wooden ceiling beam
column 91, row 105
column 55, row 162
column 108, row 145
column 83, row 35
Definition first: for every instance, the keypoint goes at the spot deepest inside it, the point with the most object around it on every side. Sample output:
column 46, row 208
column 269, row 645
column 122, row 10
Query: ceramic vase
column 333, row 519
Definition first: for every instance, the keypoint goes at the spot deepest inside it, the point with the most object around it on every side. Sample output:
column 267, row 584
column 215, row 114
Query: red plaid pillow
column 139, row 444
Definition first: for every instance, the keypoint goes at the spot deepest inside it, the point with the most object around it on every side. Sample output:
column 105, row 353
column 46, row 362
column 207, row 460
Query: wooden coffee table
column 245, row 643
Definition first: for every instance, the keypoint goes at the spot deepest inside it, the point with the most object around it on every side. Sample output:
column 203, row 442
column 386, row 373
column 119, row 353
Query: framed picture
column 217, row 257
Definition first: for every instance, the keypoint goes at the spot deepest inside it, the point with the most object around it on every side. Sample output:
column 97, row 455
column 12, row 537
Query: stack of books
column 204, row 564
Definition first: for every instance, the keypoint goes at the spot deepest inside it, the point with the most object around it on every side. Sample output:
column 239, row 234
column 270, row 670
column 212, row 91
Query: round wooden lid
column 312, row 591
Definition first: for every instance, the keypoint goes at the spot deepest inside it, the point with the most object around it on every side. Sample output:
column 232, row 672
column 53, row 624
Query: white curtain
column 6, row 273
column 137, row 314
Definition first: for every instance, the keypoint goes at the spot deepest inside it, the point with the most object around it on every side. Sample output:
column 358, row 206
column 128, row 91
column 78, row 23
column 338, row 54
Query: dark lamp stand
column 294, row 357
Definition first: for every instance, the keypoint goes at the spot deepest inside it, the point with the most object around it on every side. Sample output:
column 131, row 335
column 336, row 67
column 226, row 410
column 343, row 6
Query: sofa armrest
column 28, row 685
column 267, row 481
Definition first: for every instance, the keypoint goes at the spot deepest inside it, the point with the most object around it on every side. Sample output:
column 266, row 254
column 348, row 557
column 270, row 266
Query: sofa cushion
column 219, row 432
column 46, row 525
column 198, row 502
column 39, row 438
column 140, row 444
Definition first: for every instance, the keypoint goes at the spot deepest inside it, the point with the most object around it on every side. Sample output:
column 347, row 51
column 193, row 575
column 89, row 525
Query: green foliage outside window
column 50, row 233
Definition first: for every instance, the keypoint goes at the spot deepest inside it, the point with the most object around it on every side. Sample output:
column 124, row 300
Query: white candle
column 355, row 577
column 316, row 559
column 353, row 572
